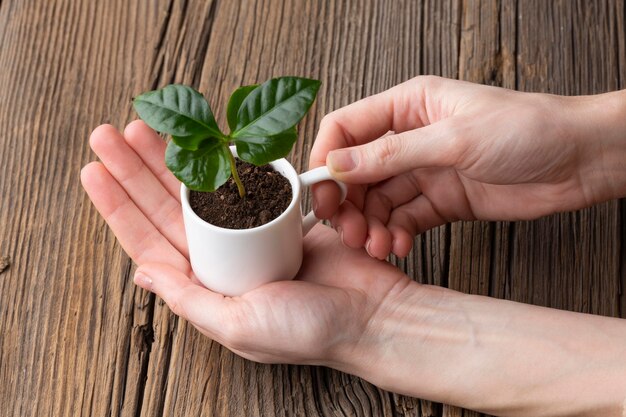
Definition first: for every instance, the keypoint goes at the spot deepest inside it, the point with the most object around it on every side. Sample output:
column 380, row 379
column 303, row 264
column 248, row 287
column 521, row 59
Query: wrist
column 598, row 124
column 408, row 339
column 492, row 355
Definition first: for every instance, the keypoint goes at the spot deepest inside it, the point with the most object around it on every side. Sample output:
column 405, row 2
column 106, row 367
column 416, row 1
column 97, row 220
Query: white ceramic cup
column 235, row 261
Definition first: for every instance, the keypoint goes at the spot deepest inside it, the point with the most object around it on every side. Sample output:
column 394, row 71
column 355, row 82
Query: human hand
column 311, row 320
column 357, row 314
column 461, row 151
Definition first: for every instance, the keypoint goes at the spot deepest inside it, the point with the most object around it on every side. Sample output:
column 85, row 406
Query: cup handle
column 313, row 177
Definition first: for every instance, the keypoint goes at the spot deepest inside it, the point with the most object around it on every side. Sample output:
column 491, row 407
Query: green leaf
column 191, row 143
column 265, row 149
column 275, row 106
column 234, row 103
column 204, row 169
column 179, row 111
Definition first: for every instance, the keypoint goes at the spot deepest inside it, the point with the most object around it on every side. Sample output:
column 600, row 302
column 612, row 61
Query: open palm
column 331, row 303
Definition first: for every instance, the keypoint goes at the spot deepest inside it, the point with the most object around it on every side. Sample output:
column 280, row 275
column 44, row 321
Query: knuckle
column 424, row 79
column 386, row 150
column 404, row 219
column 376, row 198
column 427, row 80
column 336, row 124
column 329, row 120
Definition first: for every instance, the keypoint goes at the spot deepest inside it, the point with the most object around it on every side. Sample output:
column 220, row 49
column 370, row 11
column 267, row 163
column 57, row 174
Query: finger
column 327, row 207
column 382, row 198
column 436, row 145
column 402, row 242
column 137, row 235
column 326, row 198
column 351, row 225
column 151, row 149
column 400, row 108
column 200, row 306
column 378, row 244
column 415, row 217
column 146, row 191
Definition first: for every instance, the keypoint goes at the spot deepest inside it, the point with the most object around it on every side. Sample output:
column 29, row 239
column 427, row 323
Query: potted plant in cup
column 240, row 197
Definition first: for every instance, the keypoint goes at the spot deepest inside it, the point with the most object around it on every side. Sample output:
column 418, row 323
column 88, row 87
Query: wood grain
column 78, row 339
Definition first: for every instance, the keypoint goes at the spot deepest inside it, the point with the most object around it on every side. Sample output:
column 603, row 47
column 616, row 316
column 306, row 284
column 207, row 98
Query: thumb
column 435, row 145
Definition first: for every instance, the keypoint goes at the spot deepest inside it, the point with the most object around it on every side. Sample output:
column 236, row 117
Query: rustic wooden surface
column 77, row 338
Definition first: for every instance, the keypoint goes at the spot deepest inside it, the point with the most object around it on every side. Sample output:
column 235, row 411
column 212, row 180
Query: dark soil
column 268, row 194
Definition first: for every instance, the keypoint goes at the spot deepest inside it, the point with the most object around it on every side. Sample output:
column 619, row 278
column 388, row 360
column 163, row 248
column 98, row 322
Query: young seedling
column 262, row 121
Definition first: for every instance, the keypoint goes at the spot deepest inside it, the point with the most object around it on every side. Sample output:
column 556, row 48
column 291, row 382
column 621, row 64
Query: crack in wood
column 5, row 262
column 147, row 339
column 158, row 58
column 205, row 35
column 168, row 360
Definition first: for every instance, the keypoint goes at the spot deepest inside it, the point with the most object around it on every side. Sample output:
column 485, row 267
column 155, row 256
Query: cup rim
column 284, row 165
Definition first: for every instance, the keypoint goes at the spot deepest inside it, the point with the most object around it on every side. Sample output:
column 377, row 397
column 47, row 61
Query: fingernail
column 143, row 281
column 342, row 161
column 367, row 247
column 315, row 206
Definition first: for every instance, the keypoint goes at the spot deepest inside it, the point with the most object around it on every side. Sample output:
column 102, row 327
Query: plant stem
column 233, row 170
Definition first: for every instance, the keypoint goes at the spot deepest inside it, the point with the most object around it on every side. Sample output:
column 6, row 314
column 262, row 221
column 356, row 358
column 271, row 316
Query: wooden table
column 77, row 338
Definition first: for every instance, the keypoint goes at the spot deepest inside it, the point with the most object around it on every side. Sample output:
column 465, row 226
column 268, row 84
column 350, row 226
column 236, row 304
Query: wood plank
column 570, row 260
column 479, row 250
column 76, row 334
column 211, row 379
column 428, row 262
column 77, row 338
